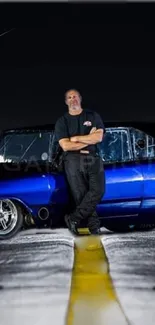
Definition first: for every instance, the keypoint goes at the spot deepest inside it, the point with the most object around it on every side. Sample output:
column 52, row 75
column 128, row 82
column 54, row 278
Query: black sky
column 104, row 50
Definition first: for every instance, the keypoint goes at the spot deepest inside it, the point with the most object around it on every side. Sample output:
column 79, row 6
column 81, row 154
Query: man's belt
column 84, row 151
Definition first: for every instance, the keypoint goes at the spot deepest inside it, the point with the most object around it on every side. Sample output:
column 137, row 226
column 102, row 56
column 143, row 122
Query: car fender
column 20, row 202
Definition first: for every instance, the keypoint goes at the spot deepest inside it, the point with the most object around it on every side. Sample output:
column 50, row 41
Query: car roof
column 146, row 127
column 33, row 128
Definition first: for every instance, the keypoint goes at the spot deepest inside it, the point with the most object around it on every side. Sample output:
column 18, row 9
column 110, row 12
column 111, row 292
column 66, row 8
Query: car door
column 60, row 195
column 144, row 152
column 123, row 178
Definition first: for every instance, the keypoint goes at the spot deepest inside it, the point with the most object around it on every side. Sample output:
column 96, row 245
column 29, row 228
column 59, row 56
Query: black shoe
column 72, row 225
column 95, row 231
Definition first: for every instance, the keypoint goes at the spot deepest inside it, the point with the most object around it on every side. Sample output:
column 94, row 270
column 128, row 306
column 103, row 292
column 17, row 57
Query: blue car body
column 129, row 162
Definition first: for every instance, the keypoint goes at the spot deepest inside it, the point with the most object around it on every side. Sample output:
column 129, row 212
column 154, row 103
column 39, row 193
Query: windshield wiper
column 30, row 145
column 6, row 142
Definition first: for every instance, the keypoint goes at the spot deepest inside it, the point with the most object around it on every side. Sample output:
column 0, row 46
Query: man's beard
column 75, row 107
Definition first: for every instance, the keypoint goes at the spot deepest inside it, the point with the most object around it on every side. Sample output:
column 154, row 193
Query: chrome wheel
column 8, row 216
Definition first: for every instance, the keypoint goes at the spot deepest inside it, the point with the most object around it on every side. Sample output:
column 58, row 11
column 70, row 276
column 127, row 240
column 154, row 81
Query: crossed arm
column 81, row 141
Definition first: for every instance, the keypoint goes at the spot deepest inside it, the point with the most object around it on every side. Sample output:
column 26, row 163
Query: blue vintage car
column 34, row 191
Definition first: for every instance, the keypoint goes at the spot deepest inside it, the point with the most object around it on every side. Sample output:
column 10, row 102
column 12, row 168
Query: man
column 78, row 132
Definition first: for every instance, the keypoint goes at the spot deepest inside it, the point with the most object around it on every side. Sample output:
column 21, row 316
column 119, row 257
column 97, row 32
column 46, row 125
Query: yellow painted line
column 93, row 300
column 83, row 231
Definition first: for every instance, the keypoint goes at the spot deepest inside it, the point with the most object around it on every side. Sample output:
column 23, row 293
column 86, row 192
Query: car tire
column 18, row 223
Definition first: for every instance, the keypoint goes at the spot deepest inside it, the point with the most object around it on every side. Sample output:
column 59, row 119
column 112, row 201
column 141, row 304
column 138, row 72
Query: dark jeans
column 86, row 179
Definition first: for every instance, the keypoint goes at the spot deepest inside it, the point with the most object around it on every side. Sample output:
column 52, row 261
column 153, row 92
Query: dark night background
column 106, row 51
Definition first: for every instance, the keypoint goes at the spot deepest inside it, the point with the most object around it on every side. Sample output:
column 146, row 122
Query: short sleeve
column 61, row 129
column 98, row 121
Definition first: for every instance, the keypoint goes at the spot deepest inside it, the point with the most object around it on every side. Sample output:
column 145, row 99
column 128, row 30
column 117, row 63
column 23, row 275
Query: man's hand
column 68, row 145
column 74, row 139
column 92, row 130
column 94, row 136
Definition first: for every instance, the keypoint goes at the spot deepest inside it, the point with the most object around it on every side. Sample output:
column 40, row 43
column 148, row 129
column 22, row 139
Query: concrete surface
column 132, row 265
column 36, row 271
column 35, row 277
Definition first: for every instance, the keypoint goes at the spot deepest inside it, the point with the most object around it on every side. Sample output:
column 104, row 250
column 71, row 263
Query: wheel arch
column 22, row 204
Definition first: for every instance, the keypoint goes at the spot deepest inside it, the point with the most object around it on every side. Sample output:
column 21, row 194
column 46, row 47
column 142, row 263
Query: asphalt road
column 36, row 275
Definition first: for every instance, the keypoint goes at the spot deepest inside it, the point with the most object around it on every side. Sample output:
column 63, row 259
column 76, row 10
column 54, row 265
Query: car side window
column 143, row 144
column 115, row 146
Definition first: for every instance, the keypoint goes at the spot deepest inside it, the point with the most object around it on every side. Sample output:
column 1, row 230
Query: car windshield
column 25, row 146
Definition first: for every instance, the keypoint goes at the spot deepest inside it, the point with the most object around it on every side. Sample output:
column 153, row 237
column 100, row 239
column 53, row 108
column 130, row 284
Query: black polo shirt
column 71, row 125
